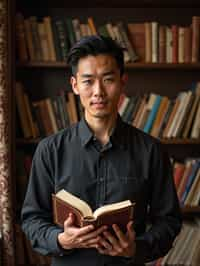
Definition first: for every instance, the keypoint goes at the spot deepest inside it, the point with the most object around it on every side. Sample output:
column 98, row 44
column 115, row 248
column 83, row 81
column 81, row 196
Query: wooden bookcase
column 41, row 79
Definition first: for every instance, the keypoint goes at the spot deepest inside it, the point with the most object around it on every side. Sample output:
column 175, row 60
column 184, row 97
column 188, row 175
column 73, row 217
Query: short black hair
column 95, row 45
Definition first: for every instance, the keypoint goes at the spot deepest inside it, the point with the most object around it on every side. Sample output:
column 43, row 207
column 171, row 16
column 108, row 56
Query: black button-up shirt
column 133, row 165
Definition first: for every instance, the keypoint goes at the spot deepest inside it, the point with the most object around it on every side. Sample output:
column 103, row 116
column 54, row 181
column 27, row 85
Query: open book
column 64, row 202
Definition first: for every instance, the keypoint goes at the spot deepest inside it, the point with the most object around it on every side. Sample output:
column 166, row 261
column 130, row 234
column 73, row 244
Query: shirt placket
column 101, row 179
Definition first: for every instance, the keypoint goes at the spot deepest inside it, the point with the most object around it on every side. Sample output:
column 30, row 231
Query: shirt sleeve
column 36, row 215
column 164, row 210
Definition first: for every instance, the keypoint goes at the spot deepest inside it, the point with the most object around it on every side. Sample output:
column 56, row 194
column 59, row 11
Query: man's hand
column 119, row 244
column 75, row 237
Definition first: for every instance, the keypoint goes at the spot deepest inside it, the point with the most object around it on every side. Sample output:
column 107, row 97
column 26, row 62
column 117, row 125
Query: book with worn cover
column 119, row 213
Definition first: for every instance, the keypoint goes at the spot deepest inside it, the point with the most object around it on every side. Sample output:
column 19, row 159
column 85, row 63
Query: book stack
column 50, row 38
column 46, row 116
column 162, row 117
column 186, row 248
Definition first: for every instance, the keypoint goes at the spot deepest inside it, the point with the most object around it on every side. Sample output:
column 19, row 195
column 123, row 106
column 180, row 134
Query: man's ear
column 73, row 82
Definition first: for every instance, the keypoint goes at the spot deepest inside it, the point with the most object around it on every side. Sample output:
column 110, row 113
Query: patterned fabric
column 6, row 225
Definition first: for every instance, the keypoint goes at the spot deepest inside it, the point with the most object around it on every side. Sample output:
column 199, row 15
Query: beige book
column 51, row 113
column 191, row 117
column 195, row 134
column 44, row 41
column 48, row 29
column 168, row 45
column 181, row 96
column 120, row 40
column 139, row 111
column 171, row 117
column 183, row 109
column 196, row 195
column 154, row 42
column 123, row 105
column 181, row 31
column 193, row 190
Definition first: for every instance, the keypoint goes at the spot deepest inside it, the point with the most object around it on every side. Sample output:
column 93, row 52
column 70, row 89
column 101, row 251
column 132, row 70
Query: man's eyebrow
column 90, row 75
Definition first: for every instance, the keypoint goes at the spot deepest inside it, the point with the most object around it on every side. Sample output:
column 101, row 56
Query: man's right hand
column 75, row 237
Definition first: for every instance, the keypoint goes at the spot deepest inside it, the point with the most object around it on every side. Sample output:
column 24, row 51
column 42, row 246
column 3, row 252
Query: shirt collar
column 117, row 137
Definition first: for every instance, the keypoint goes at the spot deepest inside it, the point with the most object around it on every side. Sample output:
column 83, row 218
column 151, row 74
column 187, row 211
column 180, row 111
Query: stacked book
column 50, row 38
column 163, row 117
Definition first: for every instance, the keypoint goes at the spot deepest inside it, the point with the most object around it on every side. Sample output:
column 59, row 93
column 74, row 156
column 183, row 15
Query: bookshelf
column 135, row 66
column 41, row 78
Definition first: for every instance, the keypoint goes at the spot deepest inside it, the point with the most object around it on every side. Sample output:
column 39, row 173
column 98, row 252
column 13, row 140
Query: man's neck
column 102, row 127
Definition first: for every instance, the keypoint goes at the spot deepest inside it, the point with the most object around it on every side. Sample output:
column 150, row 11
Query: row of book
column 186, row 248
column 154, row 114
column 187, row 181
column 47, row 116
column 163, row 117
column 50, row 38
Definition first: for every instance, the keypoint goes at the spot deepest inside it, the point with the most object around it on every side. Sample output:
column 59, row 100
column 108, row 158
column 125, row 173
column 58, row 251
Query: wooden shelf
column 22, row 141
column 190, row 209
column 181, row 141
column 145, row 66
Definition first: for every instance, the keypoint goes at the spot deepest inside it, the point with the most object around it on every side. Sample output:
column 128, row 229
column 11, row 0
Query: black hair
column 95, row 45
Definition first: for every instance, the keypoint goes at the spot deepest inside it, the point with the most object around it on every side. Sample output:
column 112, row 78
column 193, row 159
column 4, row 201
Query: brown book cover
column 64, row 203
column 21, row 107
column 174, row 44
column 29, row 40
column 162, row 44
column 195, row 38
column 148, row 42
column 137, row 37
column 20, row 38
column 187, row 44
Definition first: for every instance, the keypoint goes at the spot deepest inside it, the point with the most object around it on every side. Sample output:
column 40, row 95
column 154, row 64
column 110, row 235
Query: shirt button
column 101, row 179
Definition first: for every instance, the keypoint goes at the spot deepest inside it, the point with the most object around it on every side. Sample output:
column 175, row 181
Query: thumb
column 69, row 221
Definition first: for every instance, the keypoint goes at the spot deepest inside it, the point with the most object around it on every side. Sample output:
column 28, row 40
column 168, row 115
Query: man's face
column 99, row 84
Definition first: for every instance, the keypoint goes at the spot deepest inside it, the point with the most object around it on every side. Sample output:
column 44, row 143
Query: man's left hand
column 119, row 244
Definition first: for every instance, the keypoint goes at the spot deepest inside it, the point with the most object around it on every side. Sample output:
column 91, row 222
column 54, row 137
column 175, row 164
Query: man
column 102, row 160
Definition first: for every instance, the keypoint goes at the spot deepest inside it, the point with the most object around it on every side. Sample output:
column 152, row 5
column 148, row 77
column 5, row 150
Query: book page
column 111, row 207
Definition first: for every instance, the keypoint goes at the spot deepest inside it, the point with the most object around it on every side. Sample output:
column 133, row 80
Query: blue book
column 152, row 115
column 190, row 180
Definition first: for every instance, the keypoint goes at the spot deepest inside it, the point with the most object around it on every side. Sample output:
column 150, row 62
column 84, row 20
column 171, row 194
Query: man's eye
column 87, row 82
column 108, row 80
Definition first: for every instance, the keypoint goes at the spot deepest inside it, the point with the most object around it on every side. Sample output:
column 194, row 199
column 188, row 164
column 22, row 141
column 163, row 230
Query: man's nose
column 99, row 88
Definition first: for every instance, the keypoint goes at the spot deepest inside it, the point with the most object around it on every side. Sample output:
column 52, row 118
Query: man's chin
column 101, row 115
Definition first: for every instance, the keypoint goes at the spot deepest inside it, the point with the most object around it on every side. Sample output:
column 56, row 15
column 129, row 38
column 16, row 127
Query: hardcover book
column 64, row 202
